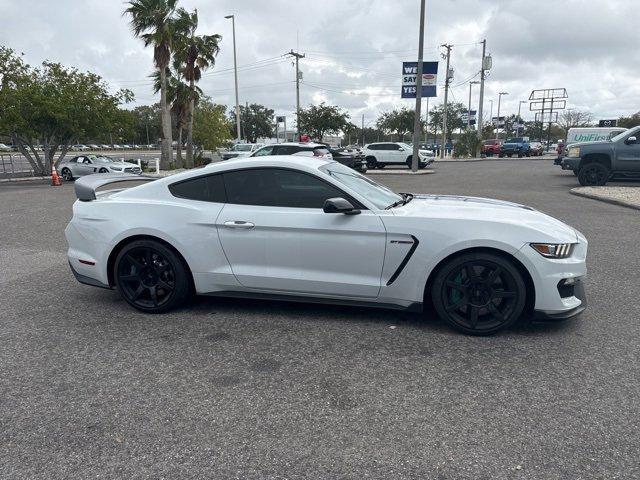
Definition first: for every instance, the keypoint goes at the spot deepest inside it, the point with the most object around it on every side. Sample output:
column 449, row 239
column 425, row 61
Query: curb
column 612, row 201
column 24, row 179
column 400, row 172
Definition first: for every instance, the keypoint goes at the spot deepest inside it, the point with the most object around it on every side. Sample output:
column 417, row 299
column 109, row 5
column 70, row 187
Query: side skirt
column 414, row 307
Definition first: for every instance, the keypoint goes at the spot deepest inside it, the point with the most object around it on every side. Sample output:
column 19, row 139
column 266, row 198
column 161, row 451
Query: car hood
column 474, row 209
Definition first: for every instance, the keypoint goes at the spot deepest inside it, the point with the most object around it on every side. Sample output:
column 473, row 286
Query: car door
column 277, row 237
column 628, row 154
column 82, row 167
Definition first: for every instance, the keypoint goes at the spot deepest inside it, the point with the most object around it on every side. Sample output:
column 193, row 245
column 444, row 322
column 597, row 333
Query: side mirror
column 339, row 205
column 630, row 140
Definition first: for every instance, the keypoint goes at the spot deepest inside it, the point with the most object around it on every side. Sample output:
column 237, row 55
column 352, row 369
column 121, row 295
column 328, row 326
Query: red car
column 491, row 147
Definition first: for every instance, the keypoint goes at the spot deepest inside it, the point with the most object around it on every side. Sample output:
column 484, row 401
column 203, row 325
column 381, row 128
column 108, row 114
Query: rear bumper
column 87, row 280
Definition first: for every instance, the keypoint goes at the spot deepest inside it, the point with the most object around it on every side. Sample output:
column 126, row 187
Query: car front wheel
column 67, row 176
column 593, row 174
column 479, row 293
column 371, row 163
column 151, row 277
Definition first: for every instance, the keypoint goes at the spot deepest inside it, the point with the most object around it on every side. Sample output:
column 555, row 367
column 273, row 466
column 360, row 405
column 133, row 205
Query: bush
column 468, row 145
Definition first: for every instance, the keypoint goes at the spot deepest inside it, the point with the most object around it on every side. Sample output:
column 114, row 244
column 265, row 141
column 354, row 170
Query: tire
column 409, row 160
column 380, row 166
column 103, row 170
column 520, row 155
column 501, row 155
column 67, row 176
column 151, row 277
column 479, row 293
column 593, row 174
column 372, row 163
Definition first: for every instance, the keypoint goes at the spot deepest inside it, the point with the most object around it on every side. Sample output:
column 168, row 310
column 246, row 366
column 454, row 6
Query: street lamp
column 475, row 82
column 500, row 94
column 519, row 117
column 235, row 72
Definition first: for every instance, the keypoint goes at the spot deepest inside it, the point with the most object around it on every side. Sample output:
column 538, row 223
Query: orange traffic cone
column 55, row 178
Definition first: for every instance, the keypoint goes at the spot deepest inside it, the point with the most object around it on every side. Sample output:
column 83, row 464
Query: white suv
column 301, row 149
column 379, row 155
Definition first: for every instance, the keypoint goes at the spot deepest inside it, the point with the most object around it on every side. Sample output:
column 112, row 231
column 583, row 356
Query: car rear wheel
column 151, row 277
column 479, row 293
column 67, row 176
column 593, row 174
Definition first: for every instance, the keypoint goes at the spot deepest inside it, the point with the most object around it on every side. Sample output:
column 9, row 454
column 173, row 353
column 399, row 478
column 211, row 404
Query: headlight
column 553, row 250
column 574, row 152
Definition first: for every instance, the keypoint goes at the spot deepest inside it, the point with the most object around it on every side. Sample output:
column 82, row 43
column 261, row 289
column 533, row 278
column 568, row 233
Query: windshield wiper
column 406, row 198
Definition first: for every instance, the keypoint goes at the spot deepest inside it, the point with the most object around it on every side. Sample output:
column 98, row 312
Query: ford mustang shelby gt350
column 311, row 229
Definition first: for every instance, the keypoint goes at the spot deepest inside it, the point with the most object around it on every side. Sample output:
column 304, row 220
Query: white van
column 591, row 134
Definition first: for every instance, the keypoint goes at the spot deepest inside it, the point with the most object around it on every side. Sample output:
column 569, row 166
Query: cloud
column 354, row 49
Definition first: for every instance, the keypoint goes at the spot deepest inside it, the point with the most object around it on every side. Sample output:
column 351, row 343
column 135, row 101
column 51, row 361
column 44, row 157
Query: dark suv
column 595, row 163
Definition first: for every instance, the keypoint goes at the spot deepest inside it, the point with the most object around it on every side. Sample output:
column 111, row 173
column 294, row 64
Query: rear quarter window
column 207, row 188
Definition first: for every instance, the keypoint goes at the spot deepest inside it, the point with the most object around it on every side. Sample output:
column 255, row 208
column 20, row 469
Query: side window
column 374, row 147
column 264, row 151
column 207, row 188
column 393, row 146
column 73, row 160
column 286, row 149
column 273, row 187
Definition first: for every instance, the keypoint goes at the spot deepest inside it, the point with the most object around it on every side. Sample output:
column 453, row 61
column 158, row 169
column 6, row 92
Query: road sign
column 280, row 119
column 608, row 123
column 429, row 79
column 465, row 115
column 548, row 104
column 547, row 117
column 498, row 121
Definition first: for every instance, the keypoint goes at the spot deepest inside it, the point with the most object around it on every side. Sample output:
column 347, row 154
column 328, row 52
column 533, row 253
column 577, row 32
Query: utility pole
column 426, row 123
column 362, row 129
column 415, row 159
column 446, row 97
column 481, row 101
column 235, row 73
column 297, row 56
column 469, row 108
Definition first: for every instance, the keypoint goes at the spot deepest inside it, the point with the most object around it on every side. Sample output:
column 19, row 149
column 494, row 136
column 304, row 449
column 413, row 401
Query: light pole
column 475, row 82
column 520, row 118
column 415, row 158
column 500, row 94
column 235, row 72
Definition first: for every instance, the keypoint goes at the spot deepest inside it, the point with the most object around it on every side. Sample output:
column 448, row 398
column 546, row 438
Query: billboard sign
column 409, row 78
column 465, row 117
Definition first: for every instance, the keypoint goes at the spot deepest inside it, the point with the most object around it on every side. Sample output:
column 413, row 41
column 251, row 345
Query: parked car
column 381, row 154
column 89, row 164
column 312, row 229
column 595, row 163
column 491, row 147
column 536, row 149
column 352, row 158
column 4, row 148
column 241, row 150
column 79, row 147
column 309, row 149
column 93, row 146
column 105, row 147
column 519, row 146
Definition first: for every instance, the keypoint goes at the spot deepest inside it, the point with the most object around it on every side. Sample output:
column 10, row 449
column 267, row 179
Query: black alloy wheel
column 103, row 170
column 479, row 294
column 593, row 174
column 67, row 176
column 151, row 277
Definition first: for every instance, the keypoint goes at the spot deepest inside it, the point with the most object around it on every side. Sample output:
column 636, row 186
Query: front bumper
column 570, row 163
column 578, row 292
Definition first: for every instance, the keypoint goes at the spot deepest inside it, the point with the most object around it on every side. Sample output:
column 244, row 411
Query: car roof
column 298, row 144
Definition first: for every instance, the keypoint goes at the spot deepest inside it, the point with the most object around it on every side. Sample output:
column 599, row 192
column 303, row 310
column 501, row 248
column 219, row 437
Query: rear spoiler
column 86, row 186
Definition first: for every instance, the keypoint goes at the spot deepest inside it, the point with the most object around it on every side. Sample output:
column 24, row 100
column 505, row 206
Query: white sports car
column 311, row 229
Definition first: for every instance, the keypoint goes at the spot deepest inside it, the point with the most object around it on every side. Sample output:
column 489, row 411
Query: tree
column 397, row 121
column 53, row 105
column 629, row 122
column 154, row 21
column 147, row 123
column 573, row 118
column 257, row 122
column 320, row 120
column 454, row 118
column 197, row 53
column 210, row 126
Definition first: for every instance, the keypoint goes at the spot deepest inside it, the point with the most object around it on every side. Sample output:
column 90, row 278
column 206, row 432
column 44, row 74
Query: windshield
column 242, row 148
column 102, row 158
column 514, row 140
column 620, row 136
column 377, row 194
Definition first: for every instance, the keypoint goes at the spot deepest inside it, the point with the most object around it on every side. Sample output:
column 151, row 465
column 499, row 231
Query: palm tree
column 196, row 53
column 154, row 21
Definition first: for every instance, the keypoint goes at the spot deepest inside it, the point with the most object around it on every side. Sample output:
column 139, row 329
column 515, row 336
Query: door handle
column 239, row 224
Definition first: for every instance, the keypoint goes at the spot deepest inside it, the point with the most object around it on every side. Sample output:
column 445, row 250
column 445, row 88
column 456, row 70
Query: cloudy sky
column 354, row 49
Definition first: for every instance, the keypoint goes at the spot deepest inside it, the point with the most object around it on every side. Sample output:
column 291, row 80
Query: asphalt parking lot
column 90, row 388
